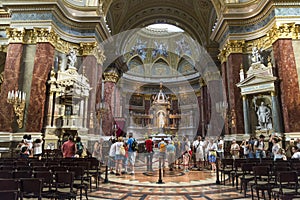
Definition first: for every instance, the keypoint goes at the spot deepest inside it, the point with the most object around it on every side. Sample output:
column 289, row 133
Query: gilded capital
column 202, row 82
column 232, row 46
column 284, row 31
column 111, row 77
column 87, row 48
column 44, row 35
column 15, row 35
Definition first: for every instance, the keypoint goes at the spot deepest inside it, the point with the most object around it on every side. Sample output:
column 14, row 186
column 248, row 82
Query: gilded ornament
column 111, row 77
column 15, row 35
column 99, row 54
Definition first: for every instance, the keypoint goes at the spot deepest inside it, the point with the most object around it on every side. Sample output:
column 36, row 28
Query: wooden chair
column 226, row 168
column 287, row 187
column 64, row 185
column 11, row 195
column 262, row 181
column 31, row 188
column 247, row 176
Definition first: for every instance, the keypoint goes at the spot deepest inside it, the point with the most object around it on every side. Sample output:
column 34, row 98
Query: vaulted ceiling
column 196, row 17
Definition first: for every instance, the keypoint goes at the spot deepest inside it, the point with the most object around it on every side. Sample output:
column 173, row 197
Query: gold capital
column 15, row 35
column 111, row 77
column 284, row 31
column 232, row 46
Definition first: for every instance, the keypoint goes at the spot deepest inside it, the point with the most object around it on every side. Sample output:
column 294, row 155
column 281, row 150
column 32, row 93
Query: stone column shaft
column 246, row 115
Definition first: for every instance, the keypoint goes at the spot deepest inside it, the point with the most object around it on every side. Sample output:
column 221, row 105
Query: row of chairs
column 60, row 185
column 242, row 169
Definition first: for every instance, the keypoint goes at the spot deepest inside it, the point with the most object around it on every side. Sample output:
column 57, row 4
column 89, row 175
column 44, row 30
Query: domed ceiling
column 196, row 17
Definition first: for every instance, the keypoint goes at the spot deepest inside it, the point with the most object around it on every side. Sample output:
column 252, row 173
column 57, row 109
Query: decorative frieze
column 111, row 77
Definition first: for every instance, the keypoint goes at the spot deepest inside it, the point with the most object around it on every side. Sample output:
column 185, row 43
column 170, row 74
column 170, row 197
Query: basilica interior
column 106, row 68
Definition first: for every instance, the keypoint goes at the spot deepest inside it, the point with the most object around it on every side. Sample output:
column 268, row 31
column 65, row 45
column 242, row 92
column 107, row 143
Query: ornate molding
column 15, row 35
column 87, row 48
column 284, row 31
column 232, row 46
column 111, row 77
column 98, row 52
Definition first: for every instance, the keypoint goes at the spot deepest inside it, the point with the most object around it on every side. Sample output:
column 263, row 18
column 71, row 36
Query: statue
column 72, row 58
column 263, row 114
column 161, row 120
column 256, row 57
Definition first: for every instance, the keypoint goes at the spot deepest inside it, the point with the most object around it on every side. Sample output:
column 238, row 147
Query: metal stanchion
column 106, row 173
column 217, row 171
column 159, row 174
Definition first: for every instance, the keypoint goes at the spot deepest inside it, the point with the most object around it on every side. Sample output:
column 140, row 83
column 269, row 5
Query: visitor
column 118, row 156
column 171, row 155
column 198, row 152
column 276, row 153
column 149, row 153
column 111, row 156
column 162, row 152
column 178, row 155
column 220, row 145
column 37, row 148
column 296, row 153
column 97, row 152
column 246, row 148
column 68, row 148
column 185, row 154
column 235, row 150
column 131, row 152
column 212, row 153
column 259, row 147
column 78, row 147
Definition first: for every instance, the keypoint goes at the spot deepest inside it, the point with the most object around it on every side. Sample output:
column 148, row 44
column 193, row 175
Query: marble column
column 246, row 115
column 234, row 96
column 225, row 94
column 11, row 82
column 289, row 85
column 43, row 62
column 109, row 87
column 276, row 118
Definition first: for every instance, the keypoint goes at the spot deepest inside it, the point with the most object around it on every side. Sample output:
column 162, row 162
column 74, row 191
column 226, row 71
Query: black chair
column 237, row 172
column 47, row 177
column 226, row 168
column 22, row 174
column 11, row 185
column 262, row 181
column 6, row 174
column 79, row 182
column 9, row 195
column 247, row 169
column 64, row 185
column 287, row 187
column 31, row 188
column 95, row 169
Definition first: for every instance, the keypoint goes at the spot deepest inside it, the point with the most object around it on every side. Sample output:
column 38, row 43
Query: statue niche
column 263, row 113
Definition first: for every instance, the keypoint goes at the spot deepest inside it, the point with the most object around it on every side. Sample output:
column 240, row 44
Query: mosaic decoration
column 139, row 48
column 183, row 48
column 160, row 49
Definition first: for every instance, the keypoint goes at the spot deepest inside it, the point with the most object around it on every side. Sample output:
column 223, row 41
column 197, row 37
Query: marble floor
column 177, row 185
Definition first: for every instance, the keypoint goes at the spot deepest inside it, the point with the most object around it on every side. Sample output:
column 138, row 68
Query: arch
column 136, row 66
column 160, row 67
column 186, row 65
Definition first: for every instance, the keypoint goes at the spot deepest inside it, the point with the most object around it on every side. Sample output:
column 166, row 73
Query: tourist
column 119, row 157
column 111, row 156
column 220, row 145
column 162, row 152
column 171, row 155
column 149, row 153
column 78, row 147
column 178, row 155
column 212, row 153
column 97, row 151
column 198, row 151
column 68, row 148
column 246, row 150
column 131, row 152
column 185, row 154
column 296, row 153
column 37, row 148
column 276, row 152
column 235, row 150
column 259, row 147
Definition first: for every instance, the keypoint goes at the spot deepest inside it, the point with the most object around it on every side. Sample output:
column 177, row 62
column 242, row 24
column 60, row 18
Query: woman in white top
column 37, row 148
column 275, row 149
column 212, row 153
column 119, row 158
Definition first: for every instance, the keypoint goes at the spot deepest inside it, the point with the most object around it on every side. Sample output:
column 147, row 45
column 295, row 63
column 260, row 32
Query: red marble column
column 11, row 79
column 225, row 94
column 289, row 86
column 234, row 95
column 43, row 63
column 108, row 120
column 147, row 106
column 94, row 74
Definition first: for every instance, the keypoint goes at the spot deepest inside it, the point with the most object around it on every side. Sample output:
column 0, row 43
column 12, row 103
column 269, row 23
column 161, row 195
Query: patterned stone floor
column 198, row 185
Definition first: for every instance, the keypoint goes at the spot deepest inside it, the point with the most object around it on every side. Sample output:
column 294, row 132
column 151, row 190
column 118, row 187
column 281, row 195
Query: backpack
column 134, row 145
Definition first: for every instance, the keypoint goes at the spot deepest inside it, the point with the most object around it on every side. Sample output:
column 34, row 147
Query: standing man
column 260, row 147
column 220, row 149
column 131, row 153
column 68, row 148
column 198, row 151
column 149, row 153
column 162, row 152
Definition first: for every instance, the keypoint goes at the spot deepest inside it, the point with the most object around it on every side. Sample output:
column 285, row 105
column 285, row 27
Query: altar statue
column 263, row 114
column 161, row 120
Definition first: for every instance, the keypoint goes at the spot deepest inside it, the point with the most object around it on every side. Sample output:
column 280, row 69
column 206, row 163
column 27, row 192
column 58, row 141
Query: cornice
column 276, row 32
column 48, row 35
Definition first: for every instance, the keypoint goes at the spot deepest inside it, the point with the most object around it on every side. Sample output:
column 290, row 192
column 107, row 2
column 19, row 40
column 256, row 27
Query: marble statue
column 263, row 114
column 161, row 120
column 72, row 58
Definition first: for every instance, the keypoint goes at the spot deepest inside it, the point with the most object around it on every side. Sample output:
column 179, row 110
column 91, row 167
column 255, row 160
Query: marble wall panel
column 11, row 79
column 43, row 63
column 234, row 95
column 289, row 86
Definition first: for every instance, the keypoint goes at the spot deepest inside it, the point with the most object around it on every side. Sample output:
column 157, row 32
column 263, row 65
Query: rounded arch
column 160, row 67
